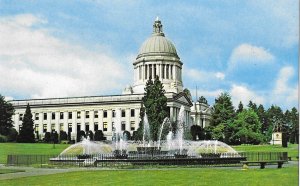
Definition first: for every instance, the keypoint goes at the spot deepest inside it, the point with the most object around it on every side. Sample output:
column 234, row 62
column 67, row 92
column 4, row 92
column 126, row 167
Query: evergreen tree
column 26, row 133
column 240, row 108
column 292, row 120
column 202, row 99
column 6, row 112
column 155, row 103
column 252, row 105
column 276, row 118
column 222, row 115
column 262, row 115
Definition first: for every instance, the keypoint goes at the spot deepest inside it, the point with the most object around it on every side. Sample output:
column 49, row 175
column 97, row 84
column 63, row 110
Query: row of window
column 87, row 126
column 87, row 115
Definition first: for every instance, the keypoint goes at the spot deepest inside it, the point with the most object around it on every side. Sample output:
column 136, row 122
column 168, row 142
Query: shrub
column 90, row 134
column 126, row 135
column 99, row 135
column 3, row 139
column 63, row 135
column 54, row 137
column 47, row 137
column 80, row 135
column 12, row 135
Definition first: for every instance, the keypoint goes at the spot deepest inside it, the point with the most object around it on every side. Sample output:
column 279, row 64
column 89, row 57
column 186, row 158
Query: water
column 166, row 121
column 146, row 133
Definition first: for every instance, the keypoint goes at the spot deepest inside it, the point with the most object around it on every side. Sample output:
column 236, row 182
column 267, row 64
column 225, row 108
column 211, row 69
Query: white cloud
column 208, row 94
column 243, row 94
column 203, row 76
column 249, row 54
column 283, row 91
column 220, row 75
column 38, row 65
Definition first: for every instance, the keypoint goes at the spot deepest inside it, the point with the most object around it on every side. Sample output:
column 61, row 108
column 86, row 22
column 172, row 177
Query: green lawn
column 292, row 149
column 29, row 148
column 5, row 171
column 197, row 176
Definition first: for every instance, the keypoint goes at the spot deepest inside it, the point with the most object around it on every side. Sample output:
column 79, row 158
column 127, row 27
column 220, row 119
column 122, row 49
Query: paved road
column 30, row 171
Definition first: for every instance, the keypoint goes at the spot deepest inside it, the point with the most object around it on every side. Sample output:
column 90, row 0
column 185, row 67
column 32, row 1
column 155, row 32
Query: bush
column 54, row 137
column 99, row 135
column 3, row 139
column 12, row 135
column 47, row 137
column 63, row 135
column 90, row 134
column 80, row 135
column 126, row 135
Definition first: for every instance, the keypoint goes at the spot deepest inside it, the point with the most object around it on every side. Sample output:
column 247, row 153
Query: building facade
column 157, row 57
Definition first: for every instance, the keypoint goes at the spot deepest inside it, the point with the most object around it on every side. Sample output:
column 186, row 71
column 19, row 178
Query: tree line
column 253, row 124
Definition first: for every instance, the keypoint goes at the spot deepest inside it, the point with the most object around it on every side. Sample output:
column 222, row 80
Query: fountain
column 174, row 147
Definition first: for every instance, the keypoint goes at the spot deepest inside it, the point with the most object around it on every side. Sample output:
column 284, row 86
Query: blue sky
column 79, row 48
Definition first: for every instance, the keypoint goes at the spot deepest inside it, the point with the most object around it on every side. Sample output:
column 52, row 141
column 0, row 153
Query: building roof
column 157, row 44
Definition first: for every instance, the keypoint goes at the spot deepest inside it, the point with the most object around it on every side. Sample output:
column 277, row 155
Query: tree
column 240, row 108
column 155, row 103
column 292, row 120
column 202, row 99
column 27, row 132
column 99, row 136
column 222, row 115
column 63, row 135
column 6, row 113
column 263, row 118
column 252, row 106
column 246, row 128
column 275, row 117
column 80, row 135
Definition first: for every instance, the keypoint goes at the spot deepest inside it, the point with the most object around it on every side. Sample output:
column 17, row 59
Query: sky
column 248, row 48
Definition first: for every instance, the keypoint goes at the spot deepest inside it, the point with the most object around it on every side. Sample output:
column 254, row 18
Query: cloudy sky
column 248, row 48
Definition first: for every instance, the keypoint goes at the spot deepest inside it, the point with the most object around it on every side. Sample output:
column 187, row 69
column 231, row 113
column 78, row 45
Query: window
column 78, row 115
column 45, row 116
column 163, row 70
column 104, row 126
column 150, row 71
column 95, row 114
column 171, row 71
column 61, row 127
column 61, row 115
column 37, row 116
column 105, row 113
column 113, row 113
column 87, row 114
column 123, row 113
column 87, row 127
column 132, row 126
column 113, row 126
column 95, row 126
column 36, row 128
column 146, row 72
column 70, row 115
column 53, row 116
column 78, row 127
column 44, row 128
column 21, row 117
column 52, row 127
column 69, row 127
column 132, row 113
column 123, row 125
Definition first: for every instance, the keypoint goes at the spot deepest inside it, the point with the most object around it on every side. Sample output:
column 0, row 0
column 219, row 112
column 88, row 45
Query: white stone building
column 157, row 57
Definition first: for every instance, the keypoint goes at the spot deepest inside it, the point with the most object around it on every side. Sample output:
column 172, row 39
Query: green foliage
column 126, row 134
column 240, row 108
column 197, row 132
column 222, row 115
column 3, row 139
column 90, row 134
column 47, row 137
column 99, row 136
column 54, row 137
column 80, row 135
column 26, row 133
column 6, row 113
column 63, row 135
column 12, row 135
column 202, row 99
column 292, row 121
column 246, row 128
column 155, row 103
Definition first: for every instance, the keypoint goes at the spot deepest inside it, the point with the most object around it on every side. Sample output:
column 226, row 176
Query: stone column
column 136, row 118
column 171, row 113
column 174, row 72
column 91, row 120
column 127, row 119
column 100, row 123
column 165, row 71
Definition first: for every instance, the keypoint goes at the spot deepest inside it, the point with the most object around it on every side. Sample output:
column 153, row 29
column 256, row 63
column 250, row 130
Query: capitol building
column 157, row 57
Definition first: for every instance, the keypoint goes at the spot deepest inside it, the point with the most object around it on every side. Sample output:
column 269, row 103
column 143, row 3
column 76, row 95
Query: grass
column 199, row 176
column 292, row 149
column 5, row 171
column 29, row 148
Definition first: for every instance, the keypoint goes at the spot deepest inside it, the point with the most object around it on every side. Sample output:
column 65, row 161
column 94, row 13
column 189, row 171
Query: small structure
column 277, row 134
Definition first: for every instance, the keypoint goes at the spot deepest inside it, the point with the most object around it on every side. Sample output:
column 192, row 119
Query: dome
column 157, row 44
